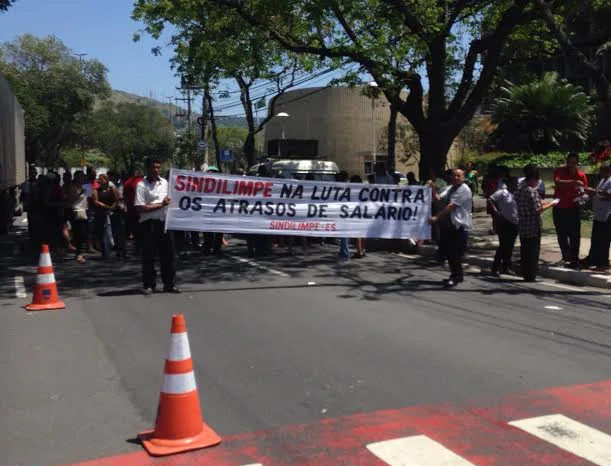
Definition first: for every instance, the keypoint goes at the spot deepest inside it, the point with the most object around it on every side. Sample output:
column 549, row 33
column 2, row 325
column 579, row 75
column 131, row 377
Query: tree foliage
column 56, row 90
column 4, row 4
column 128, row 133
column 211, row 45
column 543, row 114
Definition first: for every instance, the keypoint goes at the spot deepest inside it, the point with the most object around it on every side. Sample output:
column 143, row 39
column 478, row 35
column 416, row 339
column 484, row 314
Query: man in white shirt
column 601, row 228
column 455, row 222
column 151, row 203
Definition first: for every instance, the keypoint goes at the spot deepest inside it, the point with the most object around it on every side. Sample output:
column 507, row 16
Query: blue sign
column 227, row 155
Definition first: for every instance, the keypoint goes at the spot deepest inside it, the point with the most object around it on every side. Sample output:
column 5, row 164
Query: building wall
column 12, row 138
column 340, row 118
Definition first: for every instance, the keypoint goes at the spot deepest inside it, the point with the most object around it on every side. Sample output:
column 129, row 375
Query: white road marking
column 254, row 464
column 311, row 283
column 553, row 308
column 564, row 287
column 572, row 436
column 418, row 450
column 262, row 267
column 20, row 287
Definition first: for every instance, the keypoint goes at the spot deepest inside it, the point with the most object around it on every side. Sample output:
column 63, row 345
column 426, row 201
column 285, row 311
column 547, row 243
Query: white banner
column 275, row 206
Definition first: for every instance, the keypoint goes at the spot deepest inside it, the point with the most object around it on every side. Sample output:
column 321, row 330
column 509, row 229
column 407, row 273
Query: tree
column 395, row 41
column 210, row 45
column 547, row 112
column 4, row 4
column 128, row 133
column 56, row 90
column 594, row 66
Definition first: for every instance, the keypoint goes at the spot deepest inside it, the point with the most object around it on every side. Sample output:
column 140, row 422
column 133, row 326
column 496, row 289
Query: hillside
column 164, row 107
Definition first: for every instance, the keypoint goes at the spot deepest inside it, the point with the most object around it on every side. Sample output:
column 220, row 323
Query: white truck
column 12, row 154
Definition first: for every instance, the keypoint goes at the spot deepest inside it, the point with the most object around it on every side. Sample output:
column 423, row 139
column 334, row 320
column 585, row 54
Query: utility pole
column 170, row 98
column 80, row 60
column 203, row 132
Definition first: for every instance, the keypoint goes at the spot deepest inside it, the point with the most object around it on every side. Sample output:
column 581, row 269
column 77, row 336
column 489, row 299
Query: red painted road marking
column 479, row 433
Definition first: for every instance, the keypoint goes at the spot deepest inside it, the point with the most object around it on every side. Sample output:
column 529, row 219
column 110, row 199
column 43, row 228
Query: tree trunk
column 434, row 147
column 215, row 140
column 392, row 138
column 248, row 148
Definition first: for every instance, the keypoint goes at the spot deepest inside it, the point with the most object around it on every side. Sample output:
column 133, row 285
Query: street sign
column 227, row 155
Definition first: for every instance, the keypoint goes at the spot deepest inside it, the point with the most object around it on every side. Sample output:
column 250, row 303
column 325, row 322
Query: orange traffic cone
column 179, row 425
column 45, row 291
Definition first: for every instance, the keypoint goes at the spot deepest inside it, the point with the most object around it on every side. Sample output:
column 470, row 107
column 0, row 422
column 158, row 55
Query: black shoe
column 495, row 273
column 171, row 289
column 148, row 291
column 451, row 283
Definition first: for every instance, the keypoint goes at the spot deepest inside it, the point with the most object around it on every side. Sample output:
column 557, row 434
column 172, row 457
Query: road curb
column 573, row 277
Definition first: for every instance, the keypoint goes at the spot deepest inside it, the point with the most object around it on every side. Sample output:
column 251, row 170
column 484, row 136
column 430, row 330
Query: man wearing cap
column 151, row 203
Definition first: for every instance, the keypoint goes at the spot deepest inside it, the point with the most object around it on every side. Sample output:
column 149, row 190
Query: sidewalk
column 483, row 244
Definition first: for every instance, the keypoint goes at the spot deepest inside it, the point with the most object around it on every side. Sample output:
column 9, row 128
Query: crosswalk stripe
column 418, row 450
column 254, row 464
column 572, row 436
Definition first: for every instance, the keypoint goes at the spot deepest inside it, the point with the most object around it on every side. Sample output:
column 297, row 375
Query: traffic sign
column 227, row 155
column 202, row 146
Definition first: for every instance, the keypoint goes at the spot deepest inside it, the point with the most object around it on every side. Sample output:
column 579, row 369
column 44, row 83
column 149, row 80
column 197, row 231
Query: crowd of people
column 85, row 214
column 516, row 206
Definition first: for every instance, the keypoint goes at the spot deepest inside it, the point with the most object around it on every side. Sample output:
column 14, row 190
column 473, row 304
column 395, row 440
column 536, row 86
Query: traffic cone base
column 162, row 447
column 179, row 426
column 45, row 291
column 46, row 307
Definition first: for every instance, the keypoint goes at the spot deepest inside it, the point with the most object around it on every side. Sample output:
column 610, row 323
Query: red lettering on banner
column 268, row 189
column 258, row 187
column 244, row 188
column 196, row 184
column 225, row 190
column 180, row 183
column 209, row 185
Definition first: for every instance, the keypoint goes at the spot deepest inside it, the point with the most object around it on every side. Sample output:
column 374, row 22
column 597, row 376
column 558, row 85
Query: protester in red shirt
column 129, row 195
column 570, row 183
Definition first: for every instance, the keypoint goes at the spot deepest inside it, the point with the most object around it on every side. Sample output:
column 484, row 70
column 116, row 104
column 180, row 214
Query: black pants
column 81, row 234
column 507, row 232
column 568, row 229
column 133, row 227
column 213, row 241
column 154, row 241
column 601, row 241
column 119, row 233
column 529, row 253
column 454, row 242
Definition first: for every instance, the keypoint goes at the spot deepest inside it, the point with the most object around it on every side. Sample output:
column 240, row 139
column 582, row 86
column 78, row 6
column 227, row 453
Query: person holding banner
column 455, row 222
column 151, row 203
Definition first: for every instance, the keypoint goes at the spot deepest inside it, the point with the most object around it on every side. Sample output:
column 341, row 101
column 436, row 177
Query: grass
column 548, row 225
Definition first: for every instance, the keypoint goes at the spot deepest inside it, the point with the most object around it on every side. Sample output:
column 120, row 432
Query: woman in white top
column 78, row 199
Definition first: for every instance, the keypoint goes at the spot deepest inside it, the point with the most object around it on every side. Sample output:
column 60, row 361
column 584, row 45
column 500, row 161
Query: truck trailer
column 12, row 154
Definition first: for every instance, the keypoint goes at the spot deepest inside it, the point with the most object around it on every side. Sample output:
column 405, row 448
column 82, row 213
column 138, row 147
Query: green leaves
column 129, row 132
column 4, row 4
column 57, row 91
column 544, row 113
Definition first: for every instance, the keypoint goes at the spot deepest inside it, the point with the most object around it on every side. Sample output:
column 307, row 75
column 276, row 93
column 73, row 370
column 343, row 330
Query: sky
column 103, row 29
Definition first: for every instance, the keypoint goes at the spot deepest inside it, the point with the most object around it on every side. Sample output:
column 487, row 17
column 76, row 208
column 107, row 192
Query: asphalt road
column 275, row 342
